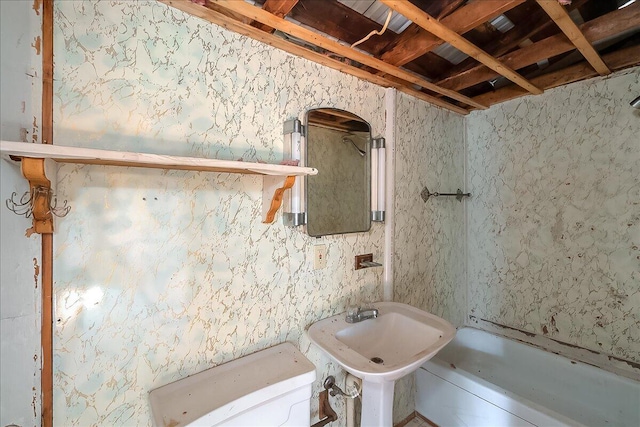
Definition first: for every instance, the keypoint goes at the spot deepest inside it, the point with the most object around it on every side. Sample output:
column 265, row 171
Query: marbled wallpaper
column 554, row 224
column 162, row 274
column 429, row 237
column 429, row 263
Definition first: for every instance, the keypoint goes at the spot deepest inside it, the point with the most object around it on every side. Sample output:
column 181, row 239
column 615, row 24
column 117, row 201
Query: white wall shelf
column 277, row 178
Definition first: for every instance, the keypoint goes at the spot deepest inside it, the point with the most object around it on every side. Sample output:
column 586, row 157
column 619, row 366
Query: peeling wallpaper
column 554, row 224
column 162, row 274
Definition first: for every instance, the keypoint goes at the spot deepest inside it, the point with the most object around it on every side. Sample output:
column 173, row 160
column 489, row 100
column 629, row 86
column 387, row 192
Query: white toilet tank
column 271, row 387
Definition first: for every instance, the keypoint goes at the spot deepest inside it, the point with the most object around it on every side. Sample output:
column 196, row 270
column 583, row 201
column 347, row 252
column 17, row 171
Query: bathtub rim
column 466, row 379
column 597, row 359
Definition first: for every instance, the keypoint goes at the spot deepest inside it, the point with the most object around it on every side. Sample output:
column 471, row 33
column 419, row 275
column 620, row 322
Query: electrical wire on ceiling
column 375, row 32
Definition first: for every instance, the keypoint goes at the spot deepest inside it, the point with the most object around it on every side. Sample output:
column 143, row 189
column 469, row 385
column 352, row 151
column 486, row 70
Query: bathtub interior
column 580, row 392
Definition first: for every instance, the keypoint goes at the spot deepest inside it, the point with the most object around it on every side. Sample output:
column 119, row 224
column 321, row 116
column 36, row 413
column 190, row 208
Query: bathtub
column 480, row 379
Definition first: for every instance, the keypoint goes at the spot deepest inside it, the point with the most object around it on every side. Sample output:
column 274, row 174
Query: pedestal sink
column 381, row 350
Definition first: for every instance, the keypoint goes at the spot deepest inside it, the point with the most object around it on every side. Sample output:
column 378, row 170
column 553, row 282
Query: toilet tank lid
column 229, row 389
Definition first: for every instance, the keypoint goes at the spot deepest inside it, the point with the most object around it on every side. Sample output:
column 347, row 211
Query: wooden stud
column 324, row 42
column 595, row 30
column 46, row 379
column 279, row 43
column 430, row 24
column 415, row 42
column 562, row 19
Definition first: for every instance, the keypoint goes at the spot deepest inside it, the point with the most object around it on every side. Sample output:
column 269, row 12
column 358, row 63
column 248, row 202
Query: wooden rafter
column 309, row 36
column 620, row 59
column 415, row 41
column 598, row 29
column 562, row 19
column 528, row 19
column 277, row 42
column 430, row 24
column 279, row 8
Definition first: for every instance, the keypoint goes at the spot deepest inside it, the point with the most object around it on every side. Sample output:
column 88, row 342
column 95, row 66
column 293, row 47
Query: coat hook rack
column 459, row 195
column 39, row 202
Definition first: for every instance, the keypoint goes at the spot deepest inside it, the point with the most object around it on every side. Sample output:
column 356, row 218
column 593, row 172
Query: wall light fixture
column 294, row 212
column 378, row 172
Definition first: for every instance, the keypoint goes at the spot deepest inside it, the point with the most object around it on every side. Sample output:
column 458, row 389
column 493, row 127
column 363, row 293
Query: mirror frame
column 366, row 208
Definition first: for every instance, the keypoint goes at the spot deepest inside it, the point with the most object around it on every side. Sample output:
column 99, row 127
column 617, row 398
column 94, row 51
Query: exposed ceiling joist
column 560, row 16
column 225, row 21
column 430, row 24
column 260, row 15
column 519, row 40
column 601, row 28
column 415, row 41
column 620, row 59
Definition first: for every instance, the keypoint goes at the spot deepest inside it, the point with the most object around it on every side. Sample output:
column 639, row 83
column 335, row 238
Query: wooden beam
column 279, row 43
column 404, row 7
column 279, row 8
column 562, row 19
column 595, row 30
column 618, row 60
column 309, row 36
column 415, row 42
column 46, row 332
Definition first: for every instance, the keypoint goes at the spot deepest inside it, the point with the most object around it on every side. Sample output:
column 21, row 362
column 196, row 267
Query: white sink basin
column 382, row 350
column 404, row 337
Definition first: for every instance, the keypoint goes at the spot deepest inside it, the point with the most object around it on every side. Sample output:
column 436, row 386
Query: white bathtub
column 480, row 379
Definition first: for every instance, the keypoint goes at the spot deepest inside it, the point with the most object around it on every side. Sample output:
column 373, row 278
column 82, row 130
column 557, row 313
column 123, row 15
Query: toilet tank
column 271, row 387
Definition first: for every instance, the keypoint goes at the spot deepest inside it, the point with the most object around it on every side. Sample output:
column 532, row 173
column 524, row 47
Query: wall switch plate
column 319, row 257
column 361, row 258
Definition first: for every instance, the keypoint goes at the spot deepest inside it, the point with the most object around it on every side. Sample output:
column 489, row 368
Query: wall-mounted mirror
column 338, row 199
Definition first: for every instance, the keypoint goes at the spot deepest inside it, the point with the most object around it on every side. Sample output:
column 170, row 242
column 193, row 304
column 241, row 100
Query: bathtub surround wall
column 160, row 274
column 20, row 290
column 429, row 237
column 554, row 224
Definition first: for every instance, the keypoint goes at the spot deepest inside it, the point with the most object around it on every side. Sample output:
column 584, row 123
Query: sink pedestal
column 377, row 403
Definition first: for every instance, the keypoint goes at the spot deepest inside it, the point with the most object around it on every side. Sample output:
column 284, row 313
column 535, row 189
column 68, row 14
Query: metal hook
column 24, row 206
column 21, row 207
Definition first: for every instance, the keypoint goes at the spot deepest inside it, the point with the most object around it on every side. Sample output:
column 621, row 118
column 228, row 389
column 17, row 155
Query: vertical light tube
column 378, row 172
column 374, row 181
column 294, row 208
column 381, row 179
column 296, row 199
